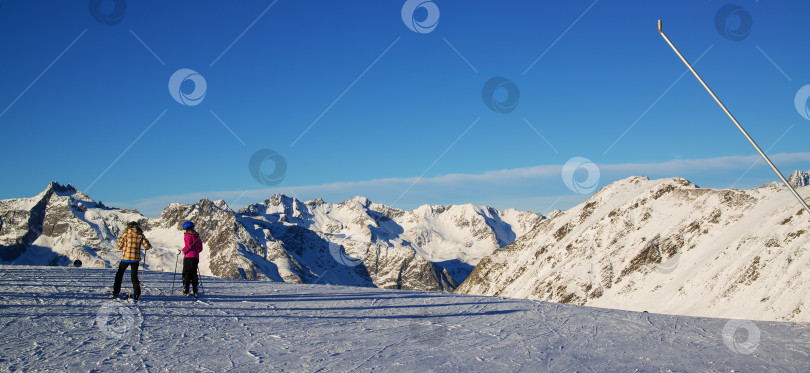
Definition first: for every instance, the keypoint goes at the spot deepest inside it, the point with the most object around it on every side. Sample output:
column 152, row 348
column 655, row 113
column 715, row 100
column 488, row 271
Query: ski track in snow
column 48, row 317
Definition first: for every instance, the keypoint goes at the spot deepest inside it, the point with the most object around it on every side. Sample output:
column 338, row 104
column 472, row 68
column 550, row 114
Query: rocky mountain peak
column 58, row 189
column 799, row 178
column 220, row 204
column 315, row 202
column 274, row 200
column 360, row 201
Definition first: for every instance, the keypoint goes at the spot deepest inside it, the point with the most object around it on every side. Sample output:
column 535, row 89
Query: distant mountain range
column 355, row 242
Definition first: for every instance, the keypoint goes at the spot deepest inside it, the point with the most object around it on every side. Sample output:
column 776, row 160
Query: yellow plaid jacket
column 131, row 242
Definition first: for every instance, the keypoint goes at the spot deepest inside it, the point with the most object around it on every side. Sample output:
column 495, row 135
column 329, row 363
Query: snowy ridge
column 664, row 246
column 355, row 242
column 797, row 179
column 59, row 319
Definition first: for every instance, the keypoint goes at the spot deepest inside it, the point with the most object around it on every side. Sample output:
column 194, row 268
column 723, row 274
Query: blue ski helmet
column 188, row 225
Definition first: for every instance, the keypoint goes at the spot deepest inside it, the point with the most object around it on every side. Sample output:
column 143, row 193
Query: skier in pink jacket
column 191, row 258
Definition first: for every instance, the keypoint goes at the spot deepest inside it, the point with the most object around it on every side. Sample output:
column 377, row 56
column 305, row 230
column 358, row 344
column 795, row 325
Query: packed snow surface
column 60, row 319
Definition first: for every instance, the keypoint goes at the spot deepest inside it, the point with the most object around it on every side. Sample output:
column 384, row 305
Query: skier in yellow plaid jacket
column 130, row 242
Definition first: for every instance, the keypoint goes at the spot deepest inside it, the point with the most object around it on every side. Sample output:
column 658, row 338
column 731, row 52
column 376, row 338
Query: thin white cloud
column 527, row 188
column 679, row 166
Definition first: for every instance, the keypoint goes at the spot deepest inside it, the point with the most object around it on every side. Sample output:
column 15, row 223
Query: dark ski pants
column 136, row 284
column 190, row 273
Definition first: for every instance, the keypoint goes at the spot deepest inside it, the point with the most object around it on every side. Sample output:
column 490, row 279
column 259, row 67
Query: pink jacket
column 193, row 245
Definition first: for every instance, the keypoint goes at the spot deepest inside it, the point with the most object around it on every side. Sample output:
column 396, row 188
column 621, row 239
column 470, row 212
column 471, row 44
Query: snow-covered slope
column 57, row 319
column 664, row 246
column 355, row 242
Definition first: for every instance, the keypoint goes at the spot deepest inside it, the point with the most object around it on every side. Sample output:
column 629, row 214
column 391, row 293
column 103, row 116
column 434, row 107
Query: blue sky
column 356, row 103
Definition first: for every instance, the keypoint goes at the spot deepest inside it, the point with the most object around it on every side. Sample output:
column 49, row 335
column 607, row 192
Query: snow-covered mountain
column 59, row 225
column 452, row 238
column 799, row 178
column 664, row 246
column 355, row 242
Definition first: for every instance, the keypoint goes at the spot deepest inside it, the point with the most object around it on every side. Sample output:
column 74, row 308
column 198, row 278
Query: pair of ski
column 131, row 299
column 191, row 295
column 125, row 297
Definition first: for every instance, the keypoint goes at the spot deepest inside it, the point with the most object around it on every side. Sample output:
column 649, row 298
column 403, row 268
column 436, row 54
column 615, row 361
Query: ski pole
column 176, row 259
column 751, row 140
column 143, row 268
column 199, row 278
